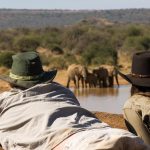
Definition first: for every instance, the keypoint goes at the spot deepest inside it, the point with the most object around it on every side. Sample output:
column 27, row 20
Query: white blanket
column 43, row 116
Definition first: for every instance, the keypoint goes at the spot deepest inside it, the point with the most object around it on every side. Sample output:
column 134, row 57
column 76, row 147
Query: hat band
column 18, row 77
column 140, row 76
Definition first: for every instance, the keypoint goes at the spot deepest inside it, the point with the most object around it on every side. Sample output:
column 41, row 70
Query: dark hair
column 138, row 89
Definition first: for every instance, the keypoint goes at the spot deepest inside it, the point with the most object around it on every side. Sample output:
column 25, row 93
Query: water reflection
column 95, row 92
column 103, row 99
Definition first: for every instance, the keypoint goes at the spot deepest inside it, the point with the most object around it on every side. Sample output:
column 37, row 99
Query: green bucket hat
column 27, row 71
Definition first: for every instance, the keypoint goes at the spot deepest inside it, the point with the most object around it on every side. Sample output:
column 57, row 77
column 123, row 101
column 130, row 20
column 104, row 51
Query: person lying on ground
column 137, row 107
column 39, row 114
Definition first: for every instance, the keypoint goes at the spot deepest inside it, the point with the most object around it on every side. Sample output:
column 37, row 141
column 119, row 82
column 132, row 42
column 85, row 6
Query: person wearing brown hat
column 39, row 114
column 137, row 107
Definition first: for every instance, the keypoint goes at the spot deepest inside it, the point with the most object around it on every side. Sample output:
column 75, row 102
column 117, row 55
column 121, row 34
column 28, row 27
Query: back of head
column 140, row 71
column 27, row 71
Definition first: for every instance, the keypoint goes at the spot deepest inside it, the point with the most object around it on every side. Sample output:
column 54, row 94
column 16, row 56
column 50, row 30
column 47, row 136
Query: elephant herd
column 98, row 77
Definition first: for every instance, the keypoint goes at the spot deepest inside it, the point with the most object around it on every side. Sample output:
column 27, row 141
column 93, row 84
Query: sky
column 74, row 4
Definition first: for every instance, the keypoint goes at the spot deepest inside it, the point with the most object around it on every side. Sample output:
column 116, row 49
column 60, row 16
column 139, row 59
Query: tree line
column 11, row 18
column 86, row 42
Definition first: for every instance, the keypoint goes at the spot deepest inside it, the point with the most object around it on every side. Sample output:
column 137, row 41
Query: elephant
column 76, row 72
column 91, row 80
column 102, row 76
column 112, row 72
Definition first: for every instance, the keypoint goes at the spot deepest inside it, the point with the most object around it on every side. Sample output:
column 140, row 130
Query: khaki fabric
column 42, row 117
column 137, row 115
column 141, row 104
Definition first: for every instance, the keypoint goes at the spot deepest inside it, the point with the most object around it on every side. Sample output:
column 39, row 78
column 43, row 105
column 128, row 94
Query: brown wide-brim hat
column 140, row 70
column 27, row 71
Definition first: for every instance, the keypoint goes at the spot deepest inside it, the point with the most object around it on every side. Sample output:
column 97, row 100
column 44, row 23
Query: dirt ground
column 114, row 120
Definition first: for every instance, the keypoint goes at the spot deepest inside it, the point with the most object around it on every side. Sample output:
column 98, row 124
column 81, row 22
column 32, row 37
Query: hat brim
column 137, row 81
column 47, row 77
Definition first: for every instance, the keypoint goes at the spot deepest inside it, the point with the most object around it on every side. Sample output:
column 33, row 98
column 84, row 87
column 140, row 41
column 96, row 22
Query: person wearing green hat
column 39, row 114
column 27, row 71
column 137, row 107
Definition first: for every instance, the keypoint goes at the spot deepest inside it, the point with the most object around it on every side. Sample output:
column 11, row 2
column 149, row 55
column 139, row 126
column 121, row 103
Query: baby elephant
column 112, row 74
column 76, row 73
column 102, row 76
column 91, row 80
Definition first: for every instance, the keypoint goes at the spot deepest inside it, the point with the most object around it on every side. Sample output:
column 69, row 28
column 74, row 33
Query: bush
column 145, row 42
column 50, row 37
column 57, row 50
column 27, row 43
column 70, row 59
column 6, row 41
column 57, row 62
column 54, row 62
column 134, row 31
column 132, row 44
column 98, row 54
column 6, row 59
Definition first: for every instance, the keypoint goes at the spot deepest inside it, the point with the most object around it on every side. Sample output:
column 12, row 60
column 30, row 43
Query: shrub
column 98, row 54
column 50, row 37
column 6, row 41
column 70, row 59
column 6, row 59
column 54, row 61
column 27, row 43
column 57, row 50
column 134, row 31
column 145, row 42
column 57, row 62
column 132, row 44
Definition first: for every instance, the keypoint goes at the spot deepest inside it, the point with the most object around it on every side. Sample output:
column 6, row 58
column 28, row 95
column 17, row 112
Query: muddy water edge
column 109, row 100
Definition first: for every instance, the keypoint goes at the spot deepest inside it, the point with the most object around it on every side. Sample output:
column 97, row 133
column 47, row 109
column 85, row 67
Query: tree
column 27, row 43
column 145, row 42
column 6, row 58
column 134, row 31
column 57, row 50
column 99, row 54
